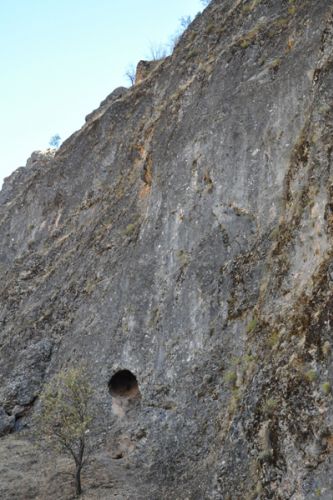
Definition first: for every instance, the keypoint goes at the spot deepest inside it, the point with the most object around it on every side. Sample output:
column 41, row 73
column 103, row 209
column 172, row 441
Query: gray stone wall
column 185, row 234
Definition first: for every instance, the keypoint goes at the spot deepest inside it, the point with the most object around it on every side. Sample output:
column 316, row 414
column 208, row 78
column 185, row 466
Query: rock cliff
column 183, row 237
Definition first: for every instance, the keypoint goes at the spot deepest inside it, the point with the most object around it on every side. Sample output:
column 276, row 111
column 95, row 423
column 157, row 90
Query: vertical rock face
column 184, row 236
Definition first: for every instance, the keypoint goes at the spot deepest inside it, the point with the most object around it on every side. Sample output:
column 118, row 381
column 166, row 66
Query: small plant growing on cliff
column 230, row 378
column 130, row 74
column 157, row 52
column 292, row 10
column 250, row 6
column 66, row 416
column 251, row 325
column 273, row 339
column 326, row 388
column 275, row 64
column 244, row 43
column 130, row 228
column 310, row 375
column 55, row 141
column 269, row 406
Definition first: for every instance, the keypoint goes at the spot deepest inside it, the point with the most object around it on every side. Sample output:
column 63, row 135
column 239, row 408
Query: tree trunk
column 78, row 488
column 79, row 464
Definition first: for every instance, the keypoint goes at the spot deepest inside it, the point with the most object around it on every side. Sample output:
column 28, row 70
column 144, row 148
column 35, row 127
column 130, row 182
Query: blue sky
column 60, row 58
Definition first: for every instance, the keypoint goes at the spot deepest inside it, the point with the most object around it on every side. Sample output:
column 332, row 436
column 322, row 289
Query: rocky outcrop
column 17, row 178
column 6, row 423
column 115, row 94
column 183, row 237
column 144, row 69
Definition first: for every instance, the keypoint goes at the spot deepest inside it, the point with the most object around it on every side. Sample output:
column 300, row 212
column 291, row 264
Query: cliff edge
column 183, row 236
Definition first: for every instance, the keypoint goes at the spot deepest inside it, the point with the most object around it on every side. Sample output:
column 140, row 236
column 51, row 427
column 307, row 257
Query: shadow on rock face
column 124, row 389
column 124, row 384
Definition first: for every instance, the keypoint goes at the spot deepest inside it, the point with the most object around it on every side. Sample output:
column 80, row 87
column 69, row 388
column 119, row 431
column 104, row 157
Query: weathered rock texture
column 144, row 68
column 185, row 234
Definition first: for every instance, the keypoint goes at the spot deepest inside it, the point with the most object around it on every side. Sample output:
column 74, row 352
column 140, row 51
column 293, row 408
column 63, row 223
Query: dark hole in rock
column 124, row 384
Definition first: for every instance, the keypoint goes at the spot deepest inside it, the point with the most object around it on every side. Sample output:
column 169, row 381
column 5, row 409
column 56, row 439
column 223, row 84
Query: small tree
column 130, row 74
column 185, row 21
column 55, row 141
column 157, row 52
column 66, row 416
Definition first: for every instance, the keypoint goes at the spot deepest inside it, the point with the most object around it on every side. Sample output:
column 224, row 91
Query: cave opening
column 124, row 384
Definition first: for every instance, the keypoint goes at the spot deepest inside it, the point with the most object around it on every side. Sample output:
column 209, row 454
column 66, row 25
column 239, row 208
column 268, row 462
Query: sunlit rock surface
column 184, row 235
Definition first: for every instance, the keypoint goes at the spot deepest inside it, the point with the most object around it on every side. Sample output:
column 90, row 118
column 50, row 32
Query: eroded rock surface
column 185, row 234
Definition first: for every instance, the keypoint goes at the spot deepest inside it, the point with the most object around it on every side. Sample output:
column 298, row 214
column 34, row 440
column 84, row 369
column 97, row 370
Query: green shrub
column 269, row 406
column 273, row 339
column 244, row 43
column 230, row 377
column 251, row 325
column 275, row 64
column 311, row 375
column 326, row 388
